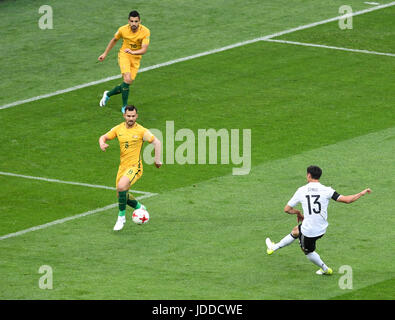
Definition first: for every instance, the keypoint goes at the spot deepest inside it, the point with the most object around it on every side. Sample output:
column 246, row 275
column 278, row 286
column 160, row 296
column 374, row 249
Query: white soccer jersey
column 314, row 198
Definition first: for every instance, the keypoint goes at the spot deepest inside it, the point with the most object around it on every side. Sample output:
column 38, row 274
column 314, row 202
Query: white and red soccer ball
column 140, row 216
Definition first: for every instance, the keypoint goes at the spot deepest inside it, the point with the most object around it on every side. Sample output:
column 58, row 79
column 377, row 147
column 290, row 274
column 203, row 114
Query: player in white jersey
column 314, row 198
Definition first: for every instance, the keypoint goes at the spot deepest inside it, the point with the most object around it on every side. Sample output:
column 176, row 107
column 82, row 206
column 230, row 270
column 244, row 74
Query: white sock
column 287, row 240
column 314, row 257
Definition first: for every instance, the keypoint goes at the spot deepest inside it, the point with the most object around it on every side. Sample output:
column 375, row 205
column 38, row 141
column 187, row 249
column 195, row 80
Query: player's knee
column 295, row 232
column 123, row 187
column 307, row 251
column 123, row 184
column 127, row 78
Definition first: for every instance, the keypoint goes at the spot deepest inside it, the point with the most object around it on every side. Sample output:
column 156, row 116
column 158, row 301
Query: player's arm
column 102, row 142
column 354, row 197
column 158, row 149
column 149, row 137
column 139, row 52
column 290, row 210
column 144, row 46
column 110, row 45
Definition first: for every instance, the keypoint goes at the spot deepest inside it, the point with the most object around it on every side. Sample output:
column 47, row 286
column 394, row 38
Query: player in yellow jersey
column 131, row 136
column 135, row 43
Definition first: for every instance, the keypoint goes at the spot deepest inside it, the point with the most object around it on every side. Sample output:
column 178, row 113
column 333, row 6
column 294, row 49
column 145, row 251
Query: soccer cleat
column 327, row 272
column 120, row 223
column 104, row 99
column 269, row 245
column 123, row 109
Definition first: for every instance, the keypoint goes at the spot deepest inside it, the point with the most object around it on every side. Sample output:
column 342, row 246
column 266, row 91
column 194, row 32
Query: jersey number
column 316, row 209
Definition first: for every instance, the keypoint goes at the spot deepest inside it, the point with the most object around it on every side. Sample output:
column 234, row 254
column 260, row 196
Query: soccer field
column 308, row 93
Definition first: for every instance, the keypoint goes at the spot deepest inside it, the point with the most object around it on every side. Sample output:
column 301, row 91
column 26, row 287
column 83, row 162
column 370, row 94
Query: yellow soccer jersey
column 132, row 40
column 130, row 142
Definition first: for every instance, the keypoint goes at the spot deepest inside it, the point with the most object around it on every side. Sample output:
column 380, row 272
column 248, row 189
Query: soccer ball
column 140, row 216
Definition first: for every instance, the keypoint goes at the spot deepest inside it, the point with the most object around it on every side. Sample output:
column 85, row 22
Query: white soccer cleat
column 120, row 223
column 270, row 246
column 104, row 99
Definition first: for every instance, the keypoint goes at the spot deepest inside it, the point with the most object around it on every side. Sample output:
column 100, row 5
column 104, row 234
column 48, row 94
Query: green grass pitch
column 206, row 236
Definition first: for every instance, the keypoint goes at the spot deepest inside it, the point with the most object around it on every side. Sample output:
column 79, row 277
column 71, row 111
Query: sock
column 115, row 90
column 133, row 202
column 287, row 240
column 125, row 93
column 122, row 203
column 314, row 257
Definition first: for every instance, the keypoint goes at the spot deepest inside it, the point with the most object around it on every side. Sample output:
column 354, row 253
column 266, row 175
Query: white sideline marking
column 77, row 216
column 52, row 223
column 232, row 46
column 55, row 222
column 330, row 47
column 372, row 3
column 68, row 182
column 345, row 16
column 156, row 66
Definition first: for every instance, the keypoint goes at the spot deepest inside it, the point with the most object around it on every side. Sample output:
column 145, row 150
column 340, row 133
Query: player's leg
column 134, row 174
column 127, row 81
column 315, row 258
column 122, row 190
column 287, row 240
column 128, row 78
column 134, row 203
column 124, row 65
column 123, row 184
column 308, row 246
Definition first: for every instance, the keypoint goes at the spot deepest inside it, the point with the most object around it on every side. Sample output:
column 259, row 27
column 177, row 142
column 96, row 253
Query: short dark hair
column 315, row 172
column 130, row 107
column 134, row 14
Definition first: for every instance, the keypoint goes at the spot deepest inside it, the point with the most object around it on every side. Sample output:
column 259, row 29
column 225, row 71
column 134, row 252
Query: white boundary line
column 232, row 46
column 345, row 16
column 77, row 216
column 331, row 47
column 55, row 222
column 68, row 182
column 156, row 66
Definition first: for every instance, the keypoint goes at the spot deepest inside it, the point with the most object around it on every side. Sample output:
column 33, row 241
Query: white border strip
column 239, row 44
column 331, row 47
